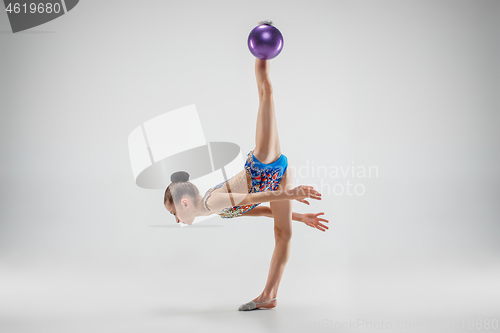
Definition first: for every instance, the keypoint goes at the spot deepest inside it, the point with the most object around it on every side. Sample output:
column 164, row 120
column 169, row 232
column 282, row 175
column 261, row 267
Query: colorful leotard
column 260, row 178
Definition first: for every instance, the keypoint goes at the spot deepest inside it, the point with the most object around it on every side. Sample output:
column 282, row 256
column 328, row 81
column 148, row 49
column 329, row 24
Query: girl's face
column 182, row 211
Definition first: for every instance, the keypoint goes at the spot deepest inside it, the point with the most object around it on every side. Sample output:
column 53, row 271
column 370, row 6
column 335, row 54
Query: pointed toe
column 247, row 306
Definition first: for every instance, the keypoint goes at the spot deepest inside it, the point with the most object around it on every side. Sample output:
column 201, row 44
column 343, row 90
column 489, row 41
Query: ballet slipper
column 268, row 22
column 252, row 305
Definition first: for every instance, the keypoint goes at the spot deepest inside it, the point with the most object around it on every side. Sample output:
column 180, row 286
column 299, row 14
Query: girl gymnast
column 265, row 178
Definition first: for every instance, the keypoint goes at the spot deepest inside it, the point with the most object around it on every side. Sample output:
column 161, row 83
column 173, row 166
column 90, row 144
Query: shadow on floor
column 189, row 227
column 2, row 32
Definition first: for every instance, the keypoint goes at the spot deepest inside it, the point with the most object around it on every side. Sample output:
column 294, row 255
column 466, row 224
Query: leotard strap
column 209, row 193
column 206, row 196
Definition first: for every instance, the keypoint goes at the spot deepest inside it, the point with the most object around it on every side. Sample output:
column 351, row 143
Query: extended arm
column 219, row 201
column 266, row 211
column 309, row 219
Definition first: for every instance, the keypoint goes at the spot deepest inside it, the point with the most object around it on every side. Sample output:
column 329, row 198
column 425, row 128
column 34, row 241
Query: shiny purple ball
column 265, row 42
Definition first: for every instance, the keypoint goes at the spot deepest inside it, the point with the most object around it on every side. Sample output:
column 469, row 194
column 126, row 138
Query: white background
column 410, row 87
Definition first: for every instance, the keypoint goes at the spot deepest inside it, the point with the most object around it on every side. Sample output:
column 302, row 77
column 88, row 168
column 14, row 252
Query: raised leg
column 267, row 144
column 282, row 212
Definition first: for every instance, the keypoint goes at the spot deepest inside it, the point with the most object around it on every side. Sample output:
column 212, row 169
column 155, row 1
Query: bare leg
column 268, row 150
column 282, row 212
column 267, row 144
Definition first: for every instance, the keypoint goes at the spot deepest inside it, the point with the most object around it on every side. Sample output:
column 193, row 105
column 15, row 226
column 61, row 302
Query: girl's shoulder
column 208, row 194
column 239, row 183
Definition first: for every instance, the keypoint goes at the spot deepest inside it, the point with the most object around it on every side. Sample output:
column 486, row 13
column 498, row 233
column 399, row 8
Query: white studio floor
column 145, row 297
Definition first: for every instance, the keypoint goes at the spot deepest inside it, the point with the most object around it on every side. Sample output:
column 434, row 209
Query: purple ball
column 265, row 42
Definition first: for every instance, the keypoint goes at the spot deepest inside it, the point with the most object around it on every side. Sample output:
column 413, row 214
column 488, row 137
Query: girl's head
column 181, row 198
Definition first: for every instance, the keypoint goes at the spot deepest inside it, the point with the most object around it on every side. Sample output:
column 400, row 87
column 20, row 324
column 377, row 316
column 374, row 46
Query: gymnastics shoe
column 252, row 305
column 268, row 22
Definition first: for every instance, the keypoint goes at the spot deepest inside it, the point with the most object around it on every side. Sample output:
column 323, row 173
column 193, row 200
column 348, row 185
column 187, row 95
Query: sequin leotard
column 257, row 177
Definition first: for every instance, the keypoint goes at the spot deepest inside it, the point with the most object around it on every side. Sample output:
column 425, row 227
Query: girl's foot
column 266, row 302
column 259, row 303
column 268, row 22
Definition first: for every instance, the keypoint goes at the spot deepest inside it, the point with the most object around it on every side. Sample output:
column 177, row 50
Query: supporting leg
column 282, row 212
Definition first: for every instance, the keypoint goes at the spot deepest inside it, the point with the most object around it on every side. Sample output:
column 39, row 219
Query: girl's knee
column 282, row 234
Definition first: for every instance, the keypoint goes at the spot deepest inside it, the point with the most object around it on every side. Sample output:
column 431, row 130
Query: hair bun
column 179, row 176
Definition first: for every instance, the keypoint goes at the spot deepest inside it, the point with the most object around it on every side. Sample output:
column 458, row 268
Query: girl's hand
column 312, row 220
column 304, row 191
